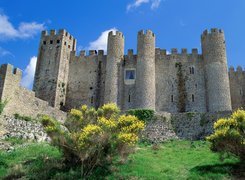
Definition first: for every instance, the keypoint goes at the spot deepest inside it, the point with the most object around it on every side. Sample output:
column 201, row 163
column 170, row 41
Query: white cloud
column 24, row 30
column 101, row 42
column 155, row 4
column 29, row 72
column 4, row 52
column 137, row 3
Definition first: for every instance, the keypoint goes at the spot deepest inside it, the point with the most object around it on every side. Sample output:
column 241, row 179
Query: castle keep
column 179, row 81
column 152, row 78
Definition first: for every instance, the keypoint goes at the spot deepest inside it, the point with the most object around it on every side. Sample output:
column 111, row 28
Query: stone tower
column 216, row 73
column 115, row 53
column 52, row 66
column 145, row 70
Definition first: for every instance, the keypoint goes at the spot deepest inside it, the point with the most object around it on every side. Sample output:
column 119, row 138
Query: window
column 44, row 42
column 172, row 98
column 92, row 100
column 129, row 76
column 192, row 98
column 129, row 98
column 58, row 41
column 65, row 43
column 192, row 71
column 51, row 41
column 69, row 46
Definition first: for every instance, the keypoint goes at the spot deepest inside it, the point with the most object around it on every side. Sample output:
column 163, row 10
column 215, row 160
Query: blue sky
column 176, row 23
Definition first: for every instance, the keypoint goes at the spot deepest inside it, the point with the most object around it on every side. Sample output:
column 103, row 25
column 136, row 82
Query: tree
column 229, row 135
column 92, row 138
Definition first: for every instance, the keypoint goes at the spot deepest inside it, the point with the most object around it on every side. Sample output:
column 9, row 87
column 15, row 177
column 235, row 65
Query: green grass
column 15, row 141
column 34, row 160
column 176, row 160
column 170, row 160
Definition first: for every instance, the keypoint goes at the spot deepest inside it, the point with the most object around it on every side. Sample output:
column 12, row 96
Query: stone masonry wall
column 16, row 128
column 195, row 126
column 200, row 85
column 20, row 100
column 192, row 126
column 237, row 87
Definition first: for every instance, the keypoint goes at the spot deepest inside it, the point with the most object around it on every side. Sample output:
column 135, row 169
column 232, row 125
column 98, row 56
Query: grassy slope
column 173, row 160
column 33, row 159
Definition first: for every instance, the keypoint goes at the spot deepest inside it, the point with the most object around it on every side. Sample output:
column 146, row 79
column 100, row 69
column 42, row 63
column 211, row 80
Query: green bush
column 2, row 106
column 93, row 139
column 229, row 135
column 145, row 115
column 20, row 117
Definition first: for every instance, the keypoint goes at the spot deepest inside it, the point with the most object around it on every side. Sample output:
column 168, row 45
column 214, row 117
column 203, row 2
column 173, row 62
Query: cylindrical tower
column 115, row 53
column 216, row 72
column 145, row 71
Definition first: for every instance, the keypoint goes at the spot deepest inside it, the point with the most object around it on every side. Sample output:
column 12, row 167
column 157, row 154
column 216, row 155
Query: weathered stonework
column 16, row 128
column 20, row 100
column 192, row 126
column 237, row 85
column 149, row 79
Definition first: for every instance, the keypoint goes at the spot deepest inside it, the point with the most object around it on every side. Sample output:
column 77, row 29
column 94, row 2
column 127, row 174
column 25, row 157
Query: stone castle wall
column 20, row 100
column 86, row 80
column 237, row 87
column 192, row 126
column 175, row 82
column 171, row 92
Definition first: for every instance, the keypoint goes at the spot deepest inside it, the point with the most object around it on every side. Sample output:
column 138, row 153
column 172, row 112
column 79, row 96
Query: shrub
column 145, row 115
column 24, row 118
column 2, row 106
column 94, row 138
column 229, row 135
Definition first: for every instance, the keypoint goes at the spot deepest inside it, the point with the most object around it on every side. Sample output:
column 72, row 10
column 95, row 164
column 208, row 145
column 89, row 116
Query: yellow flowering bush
column 229, row 135
column 107, row 123
column 92, row 138
column 128, row 138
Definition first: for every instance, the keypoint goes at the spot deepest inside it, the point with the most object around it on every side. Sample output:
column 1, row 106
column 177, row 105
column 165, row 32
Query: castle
column 176, row 82
column 154, row 79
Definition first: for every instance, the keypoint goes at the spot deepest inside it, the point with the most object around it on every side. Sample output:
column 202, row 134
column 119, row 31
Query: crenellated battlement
column 175, row 51
column 130, row 52
column 8, row 69
column 239, row 69
column 83, row 53
column 146, row 33
column 213, row 31
column 53, row 32
column 115, row 34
